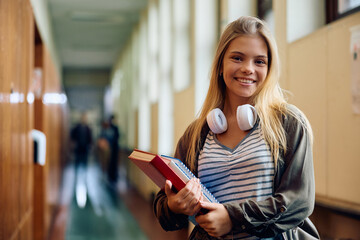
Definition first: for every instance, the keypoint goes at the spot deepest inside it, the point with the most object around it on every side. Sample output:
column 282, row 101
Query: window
column 336, row 9
column 181, row 44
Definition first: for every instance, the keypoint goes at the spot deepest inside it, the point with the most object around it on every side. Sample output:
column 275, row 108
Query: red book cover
column 156, row 168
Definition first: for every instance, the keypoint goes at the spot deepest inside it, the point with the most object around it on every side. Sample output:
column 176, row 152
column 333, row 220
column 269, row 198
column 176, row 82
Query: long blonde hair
column 268, row 99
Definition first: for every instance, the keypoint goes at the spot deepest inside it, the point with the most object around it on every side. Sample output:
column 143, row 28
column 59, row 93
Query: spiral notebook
column 159, row 168
column 185, row 174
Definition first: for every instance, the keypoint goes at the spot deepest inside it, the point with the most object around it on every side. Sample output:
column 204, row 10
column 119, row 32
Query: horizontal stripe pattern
column 236, row 175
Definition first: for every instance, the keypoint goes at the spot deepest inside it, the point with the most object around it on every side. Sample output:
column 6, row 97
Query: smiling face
column 245, row 66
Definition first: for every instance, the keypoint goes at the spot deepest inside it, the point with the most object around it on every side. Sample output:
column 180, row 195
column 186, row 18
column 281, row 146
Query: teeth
column 245, row 81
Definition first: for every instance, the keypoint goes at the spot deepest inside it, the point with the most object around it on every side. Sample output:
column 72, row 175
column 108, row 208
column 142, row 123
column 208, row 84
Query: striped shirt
column 236, row 175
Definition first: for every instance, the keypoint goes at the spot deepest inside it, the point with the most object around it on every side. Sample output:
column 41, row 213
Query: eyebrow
column 241, row 53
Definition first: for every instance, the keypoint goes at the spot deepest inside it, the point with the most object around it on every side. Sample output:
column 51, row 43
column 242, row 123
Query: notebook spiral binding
column 190, row 175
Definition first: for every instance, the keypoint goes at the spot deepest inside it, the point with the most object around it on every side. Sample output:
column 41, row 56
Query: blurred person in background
column 103, row 150
column 113, row 137
column 81, row 137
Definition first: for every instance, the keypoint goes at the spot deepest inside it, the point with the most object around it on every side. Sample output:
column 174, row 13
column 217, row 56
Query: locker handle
column 39, row 147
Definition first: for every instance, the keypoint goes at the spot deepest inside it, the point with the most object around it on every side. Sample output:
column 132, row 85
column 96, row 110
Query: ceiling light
column 96, row 17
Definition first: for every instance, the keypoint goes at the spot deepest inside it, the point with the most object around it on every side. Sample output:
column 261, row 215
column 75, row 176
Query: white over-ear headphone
column 246, row 117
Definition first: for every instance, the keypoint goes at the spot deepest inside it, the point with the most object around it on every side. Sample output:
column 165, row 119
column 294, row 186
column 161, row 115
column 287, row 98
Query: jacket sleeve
column 294, row 190
column 169, row 220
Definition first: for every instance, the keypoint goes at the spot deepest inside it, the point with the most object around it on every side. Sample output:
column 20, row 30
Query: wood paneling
column 50, row 118
column 27, row 228
column 333, row 224
column 16, row 61
column 26, row 108
column 18, row 215
column 52, row 125
column 39, row 203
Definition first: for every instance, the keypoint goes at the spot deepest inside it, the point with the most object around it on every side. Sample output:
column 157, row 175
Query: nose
column 247, row 67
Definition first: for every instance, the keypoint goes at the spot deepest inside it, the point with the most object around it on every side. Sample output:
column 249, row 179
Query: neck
column 231, row 104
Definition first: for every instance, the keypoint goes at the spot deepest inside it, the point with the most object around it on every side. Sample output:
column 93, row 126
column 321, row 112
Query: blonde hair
column 268, row 99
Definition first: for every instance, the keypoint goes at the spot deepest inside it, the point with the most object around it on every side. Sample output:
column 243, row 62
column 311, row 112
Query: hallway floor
column 92, row 209
column 97, row 213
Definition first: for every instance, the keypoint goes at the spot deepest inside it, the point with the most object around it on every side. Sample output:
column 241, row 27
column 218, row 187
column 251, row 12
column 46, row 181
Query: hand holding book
column 187, row 200
column 217, row 222
column 162, row 170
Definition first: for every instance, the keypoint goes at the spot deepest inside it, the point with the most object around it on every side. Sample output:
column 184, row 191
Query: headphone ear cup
column 246, row 116
column 216, row 121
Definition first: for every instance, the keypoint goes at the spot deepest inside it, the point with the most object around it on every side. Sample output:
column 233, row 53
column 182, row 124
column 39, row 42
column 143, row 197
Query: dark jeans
column 81, row 158
column 113, row 166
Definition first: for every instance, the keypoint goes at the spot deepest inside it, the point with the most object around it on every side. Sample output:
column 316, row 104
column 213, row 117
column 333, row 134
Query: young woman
column 262, row 176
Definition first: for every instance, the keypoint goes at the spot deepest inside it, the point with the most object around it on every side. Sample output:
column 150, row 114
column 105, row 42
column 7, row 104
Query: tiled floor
column 91, row 209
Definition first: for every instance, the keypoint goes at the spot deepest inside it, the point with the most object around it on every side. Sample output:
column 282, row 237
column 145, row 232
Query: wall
column 319, row 76
column 16, row 167
column 50, row 118
column 184, row 105
column 43, row 20
column 29, row 192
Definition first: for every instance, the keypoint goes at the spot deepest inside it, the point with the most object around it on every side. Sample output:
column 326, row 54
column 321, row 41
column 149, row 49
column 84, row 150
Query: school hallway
column 133, row 74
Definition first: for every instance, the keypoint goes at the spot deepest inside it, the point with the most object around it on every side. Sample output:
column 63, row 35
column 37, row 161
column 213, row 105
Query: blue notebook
column 185, row 174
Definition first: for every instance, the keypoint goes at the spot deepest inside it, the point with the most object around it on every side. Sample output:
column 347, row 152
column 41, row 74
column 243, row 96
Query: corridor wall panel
column 16, row 63
column 27, row 122
column 320, row 79
column 315, row 84
column 184, row 105
column 50, row 118
column 20, row 198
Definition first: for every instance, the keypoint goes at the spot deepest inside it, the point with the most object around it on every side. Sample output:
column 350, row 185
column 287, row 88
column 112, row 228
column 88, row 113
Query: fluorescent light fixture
column 83, row 16
column 54, row 98
column 16, row 97
column 30, row 98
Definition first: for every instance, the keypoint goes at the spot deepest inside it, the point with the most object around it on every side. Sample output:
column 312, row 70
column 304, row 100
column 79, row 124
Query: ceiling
column 90, row 34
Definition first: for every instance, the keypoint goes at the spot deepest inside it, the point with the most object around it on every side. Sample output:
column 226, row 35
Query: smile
column 245, row 80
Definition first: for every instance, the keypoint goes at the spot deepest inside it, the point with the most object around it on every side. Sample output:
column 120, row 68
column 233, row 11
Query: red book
column 156, row 168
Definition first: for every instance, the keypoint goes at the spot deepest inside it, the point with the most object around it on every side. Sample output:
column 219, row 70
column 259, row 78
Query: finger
column 213, row 233
column 197, row 188
column 197, row 209
column 168, row 186
column 201, row 195
column 188, row 191
column 197, row 195
column 195, row 191
column 202, row 220
column 208, row 206
column 200, row 192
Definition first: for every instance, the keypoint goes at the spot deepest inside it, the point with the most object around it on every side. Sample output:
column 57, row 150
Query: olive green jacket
column 285, row 214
